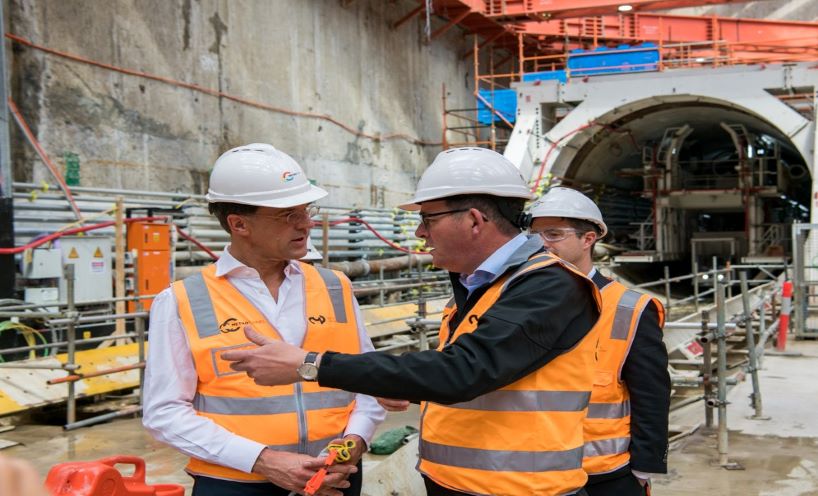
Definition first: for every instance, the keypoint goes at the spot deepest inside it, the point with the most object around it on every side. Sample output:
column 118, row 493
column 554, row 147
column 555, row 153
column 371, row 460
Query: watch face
column 308, row 371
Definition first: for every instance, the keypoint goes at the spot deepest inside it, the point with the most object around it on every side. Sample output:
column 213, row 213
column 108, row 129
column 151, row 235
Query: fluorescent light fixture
column 625, row 8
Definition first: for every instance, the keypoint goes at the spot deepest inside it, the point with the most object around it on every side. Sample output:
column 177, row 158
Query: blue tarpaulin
column 604, row 60
column 503, row 101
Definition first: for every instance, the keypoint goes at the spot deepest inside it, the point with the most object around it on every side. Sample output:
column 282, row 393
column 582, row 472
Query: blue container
column 603, row 60
column 503, row 101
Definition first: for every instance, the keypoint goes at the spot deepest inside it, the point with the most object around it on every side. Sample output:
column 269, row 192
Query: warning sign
column 73, row 253
column 97, row 266
column 98, row 253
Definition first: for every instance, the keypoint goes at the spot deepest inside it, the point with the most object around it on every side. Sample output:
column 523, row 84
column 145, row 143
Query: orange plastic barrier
column 101, row 478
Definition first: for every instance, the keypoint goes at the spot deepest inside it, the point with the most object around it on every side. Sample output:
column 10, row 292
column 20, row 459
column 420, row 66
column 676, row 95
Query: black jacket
column 539, row 316
column 646, row 376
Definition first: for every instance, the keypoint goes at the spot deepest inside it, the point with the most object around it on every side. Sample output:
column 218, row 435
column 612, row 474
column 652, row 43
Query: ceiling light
column 625, row 8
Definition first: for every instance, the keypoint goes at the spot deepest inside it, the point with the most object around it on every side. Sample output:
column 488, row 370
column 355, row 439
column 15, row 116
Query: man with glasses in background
column 244, row 439
column 627, row 424
column 507, row 389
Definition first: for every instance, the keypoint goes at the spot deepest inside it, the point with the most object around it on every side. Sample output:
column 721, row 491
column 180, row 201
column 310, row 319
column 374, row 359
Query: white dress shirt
column 171, row 379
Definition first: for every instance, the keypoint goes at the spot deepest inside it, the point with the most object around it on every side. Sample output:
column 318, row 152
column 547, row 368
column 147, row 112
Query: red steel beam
column 521, row 10
column 745, row 38
column 676, row 29
column 417, row 10
column 454, row 20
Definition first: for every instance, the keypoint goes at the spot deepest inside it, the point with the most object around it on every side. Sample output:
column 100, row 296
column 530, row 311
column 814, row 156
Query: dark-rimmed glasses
column 424, row 217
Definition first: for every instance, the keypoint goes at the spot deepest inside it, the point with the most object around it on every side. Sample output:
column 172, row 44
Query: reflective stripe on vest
column 502, row 460
column 336, row 293
column 602, row 447
column 528, row 401
column 607, row 425
column 299, row 418
column 525, row 438
column 270, row 405
column 201, row 306
column 624, row 314
column 609, row 410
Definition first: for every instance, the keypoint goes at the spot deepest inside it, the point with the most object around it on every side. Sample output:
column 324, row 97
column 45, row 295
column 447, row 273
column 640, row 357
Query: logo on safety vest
column 473, row 319
column 317, row 320
column 233, row 325
column 288, row 176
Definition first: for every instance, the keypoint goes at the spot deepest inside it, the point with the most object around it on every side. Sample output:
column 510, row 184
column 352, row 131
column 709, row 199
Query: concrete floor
column 779, row 456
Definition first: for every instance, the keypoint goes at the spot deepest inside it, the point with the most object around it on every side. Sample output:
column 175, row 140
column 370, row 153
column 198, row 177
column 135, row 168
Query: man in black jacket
column 471, row 206
column 623, row 445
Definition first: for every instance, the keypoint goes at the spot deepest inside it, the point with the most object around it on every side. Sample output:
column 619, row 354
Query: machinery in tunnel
column 690, row 182
column 683, row 169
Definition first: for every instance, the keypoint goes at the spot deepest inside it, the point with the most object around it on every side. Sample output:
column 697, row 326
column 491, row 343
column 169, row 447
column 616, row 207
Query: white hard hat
column 567, row 202
column 312, row 252
column 465, row 171
column 258, row 174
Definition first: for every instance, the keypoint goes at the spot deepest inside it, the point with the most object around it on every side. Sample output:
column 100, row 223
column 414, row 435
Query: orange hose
column 97, row 373
column 221, row 94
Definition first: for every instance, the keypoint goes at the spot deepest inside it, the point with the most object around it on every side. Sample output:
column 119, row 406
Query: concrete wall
column 335, row 57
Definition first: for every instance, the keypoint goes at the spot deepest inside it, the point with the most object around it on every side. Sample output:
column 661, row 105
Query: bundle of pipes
column 40, row 210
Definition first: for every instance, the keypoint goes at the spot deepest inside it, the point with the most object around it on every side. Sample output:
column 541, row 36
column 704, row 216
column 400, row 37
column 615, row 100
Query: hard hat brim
column 513, row 192
column 311, row 195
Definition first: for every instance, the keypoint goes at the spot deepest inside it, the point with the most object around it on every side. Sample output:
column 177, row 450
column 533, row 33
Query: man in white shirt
column 243, row 438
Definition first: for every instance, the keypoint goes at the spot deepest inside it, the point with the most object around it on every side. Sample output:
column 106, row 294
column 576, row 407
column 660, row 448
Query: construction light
column 625, row 8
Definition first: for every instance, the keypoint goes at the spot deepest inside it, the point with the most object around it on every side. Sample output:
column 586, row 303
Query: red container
column 101, row 478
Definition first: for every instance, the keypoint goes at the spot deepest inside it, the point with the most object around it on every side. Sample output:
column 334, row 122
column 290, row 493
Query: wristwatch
column 309, row 370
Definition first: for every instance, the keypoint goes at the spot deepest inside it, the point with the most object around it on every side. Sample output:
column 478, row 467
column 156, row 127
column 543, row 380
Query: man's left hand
column 273, row 363
column 355, row 453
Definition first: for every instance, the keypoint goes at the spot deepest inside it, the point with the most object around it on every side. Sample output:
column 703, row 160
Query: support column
column 810, row 251
column 7, row 268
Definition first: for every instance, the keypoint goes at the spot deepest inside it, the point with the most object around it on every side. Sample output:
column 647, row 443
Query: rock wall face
column 338, row 58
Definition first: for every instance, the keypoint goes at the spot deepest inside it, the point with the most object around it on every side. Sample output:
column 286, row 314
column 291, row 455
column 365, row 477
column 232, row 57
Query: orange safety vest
column 524, row 438
column 608, row 424
column 302, row 417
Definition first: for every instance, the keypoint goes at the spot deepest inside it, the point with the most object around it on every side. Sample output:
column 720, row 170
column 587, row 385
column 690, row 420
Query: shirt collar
column 227, row 264
column 494, row 265
column 592, row 273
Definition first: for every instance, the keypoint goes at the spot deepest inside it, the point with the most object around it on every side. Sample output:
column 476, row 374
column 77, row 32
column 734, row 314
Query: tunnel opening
column 683, row 182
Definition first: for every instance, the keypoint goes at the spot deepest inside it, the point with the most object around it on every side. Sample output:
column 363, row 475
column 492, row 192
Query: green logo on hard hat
column 288, row 176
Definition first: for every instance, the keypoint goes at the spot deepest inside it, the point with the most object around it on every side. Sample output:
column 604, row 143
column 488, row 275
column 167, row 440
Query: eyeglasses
column 555, row 234
column 295, row 217
column 424, row 217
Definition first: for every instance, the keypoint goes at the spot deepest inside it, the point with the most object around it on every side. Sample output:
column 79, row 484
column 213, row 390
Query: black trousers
column 433, row 489
column 627, row 485
column 208, row 486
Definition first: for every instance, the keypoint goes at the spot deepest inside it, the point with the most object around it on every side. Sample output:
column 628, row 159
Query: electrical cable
column 55, row 235
column 377, row 234
column 18, row 117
